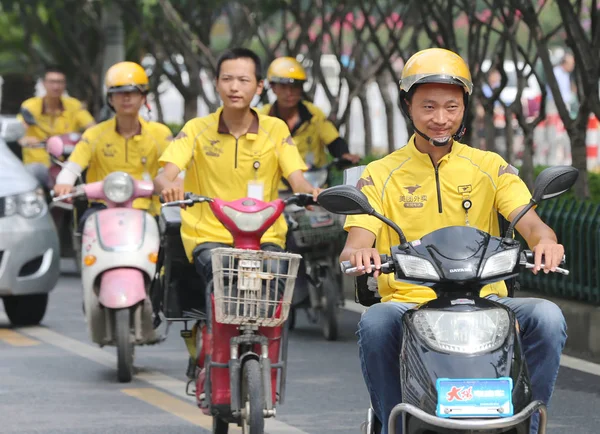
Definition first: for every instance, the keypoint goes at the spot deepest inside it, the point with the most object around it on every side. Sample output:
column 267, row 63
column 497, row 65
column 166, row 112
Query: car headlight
column 463, row 332
column 500, row 263
column 248, row 222
column 118, row 187
column 29, row 205
column 413, row 266
column 316, row 178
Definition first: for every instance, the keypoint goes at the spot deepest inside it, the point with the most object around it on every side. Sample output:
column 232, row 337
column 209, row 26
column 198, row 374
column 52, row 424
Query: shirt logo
column 212, row 150
column 465, row 188
column 412, row 189
column 413, row 200
column 108, row 150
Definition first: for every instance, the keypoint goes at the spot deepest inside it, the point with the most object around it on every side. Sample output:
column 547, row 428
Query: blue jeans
column 543, row 334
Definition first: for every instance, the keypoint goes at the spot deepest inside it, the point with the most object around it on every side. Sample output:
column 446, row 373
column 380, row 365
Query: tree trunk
column 114, row 48
column 190, row 106
column 579, row 153
column 160, row 116
column 383, row 84
column 526, row 173
column 509, row 135
column 364, row 103
column 490, row 130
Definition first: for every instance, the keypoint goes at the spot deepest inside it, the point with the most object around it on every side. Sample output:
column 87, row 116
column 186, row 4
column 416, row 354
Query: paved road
column 53, row 380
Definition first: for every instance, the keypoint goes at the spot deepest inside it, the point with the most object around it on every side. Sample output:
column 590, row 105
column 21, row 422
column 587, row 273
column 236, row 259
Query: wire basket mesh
column 316, row 229
column 253, row 286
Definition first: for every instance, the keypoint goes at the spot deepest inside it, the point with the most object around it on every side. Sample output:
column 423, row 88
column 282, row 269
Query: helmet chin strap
column 439, row 143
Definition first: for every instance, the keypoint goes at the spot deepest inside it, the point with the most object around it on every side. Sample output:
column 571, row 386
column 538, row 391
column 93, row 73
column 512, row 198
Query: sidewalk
column 583, row 323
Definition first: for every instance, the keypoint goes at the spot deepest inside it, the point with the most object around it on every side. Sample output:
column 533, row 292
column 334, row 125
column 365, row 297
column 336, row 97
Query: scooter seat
column 169, row 221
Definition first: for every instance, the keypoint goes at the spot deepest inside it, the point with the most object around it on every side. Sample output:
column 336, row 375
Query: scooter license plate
column 318, row 221
column 474, row 397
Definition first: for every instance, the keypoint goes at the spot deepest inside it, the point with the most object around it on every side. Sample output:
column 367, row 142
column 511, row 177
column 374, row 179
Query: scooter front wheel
column 124, row 345
column 253, row 400
column 220, row 426
column 329, row 305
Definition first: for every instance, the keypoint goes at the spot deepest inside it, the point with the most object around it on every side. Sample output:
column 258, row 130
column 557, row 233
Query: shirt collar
column 138, row 136
column 420, row 156
column 60, row 102
column 252, row 132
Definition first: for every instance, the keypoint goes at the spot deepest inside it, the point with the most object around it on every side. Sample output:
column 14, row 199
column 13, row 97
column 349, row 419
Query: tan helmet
column 286, row 70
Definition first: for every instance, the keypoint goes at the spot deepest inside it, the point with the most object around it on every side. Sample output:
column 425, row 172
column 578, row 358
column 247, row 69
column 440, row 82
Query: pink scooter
column 119, row 254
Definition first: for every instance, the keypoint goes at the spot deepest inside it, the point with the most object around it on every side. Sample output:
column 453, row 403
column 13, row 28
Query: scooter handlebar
column 301, row 199
column 528, row 261
column 387, row 266
column 189, row 200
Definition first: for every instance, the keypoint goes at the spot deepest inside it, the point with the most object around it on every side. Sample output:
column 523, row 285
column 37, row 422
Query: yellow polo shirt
column 313, row 133
column 406, row 188
column 217, row 164
column 73, row 118
column 103, row 151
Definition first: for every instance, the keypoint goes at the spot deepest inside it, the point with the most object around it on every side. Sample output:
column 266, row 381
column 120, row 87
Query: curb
column 583, row 322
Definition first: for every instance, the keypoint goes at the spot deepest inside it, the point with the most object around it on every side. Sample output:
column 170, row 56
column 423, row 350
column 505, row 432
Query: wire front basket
column 253, row 286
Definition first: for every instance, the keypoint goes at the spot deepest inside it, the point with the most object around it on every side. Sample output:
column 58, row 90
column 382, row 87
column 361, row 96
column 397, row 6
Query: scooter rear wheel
column 124, row 345
column 253, row 400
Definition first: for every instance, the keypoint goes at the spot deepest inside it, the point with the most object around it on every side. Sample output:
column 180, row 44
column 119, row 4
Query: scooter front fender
column 121, row 288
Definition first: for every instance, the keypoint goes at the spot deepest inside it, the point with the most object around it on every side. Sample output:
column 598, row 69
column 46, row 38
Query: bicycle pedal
column 187, row 388
column 185, row 334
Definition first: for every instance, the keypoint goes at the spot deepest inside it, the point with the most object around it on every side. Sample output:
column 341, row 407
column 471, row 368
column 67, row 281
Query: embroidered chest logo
column 214, row 148
column 108, row 150
column 465, row 189
column 412, row 199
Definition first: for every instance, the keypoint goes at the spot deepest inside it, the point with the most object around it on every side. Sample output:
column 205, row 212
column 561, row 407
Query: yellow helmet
column 126, row 77
column 286, row 70
column 436, row 65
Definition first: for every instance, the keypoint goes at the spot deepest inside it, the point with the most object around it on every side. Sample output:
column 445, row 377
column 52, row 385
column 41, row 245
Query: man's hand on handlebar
column 366, row 261
column 29, row 141
column 548, row 256
column 173, row 193
column 63, row 190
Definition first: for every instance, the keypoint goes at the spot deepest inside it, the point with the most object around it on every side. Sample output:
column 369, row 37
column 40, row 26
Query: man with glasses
column 55, row 114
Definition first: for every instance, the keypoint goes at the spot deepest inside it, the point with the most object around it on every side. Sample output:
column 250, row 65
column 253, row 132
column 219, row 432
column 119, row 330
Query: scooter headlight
column 248, row 222
column 500, row 263
column 463, row 332
column 413, row 266
column 118, row 187
column 316, row 178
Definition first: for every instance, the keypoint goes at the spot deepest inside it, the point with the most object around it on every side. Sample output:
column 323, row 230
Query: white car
column 29, row 246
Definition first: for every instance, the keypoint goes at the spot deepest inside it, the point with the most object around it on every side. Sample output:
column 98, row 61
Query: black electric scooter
column 462, row 363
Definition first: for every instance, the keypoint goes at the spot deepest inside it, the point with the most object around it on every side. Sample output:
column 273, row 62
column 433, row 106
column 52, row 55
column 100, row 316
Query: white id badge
column 256, row 190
